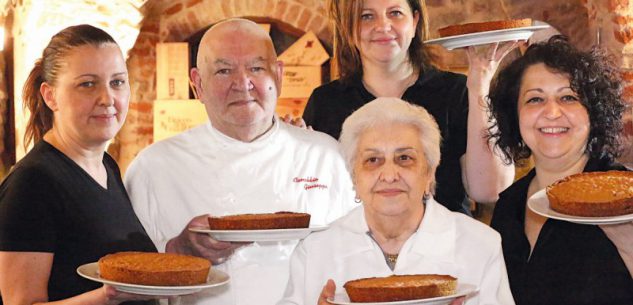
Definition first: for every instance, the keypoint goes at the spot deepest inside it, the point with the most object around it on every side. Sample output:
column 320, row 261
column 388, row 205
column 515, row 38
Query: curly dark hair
column 593, row 76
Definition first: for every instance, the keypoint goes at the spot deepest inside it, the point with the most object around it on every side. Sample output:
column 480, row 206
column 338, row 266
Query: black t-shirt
column 571, row 264
column 445, row 97
column 50, row 204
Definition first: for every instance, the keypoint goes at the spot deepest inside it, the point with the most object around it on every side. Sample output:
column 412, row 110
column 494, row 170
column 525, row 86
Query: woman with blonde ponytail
column 64, row 204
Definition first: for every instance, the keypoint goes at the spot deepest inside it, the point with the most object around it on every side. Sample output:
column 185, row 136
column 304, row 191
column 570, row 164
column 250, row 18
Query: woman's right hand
column 327, row 293
column 201, row 245
column 298, row 122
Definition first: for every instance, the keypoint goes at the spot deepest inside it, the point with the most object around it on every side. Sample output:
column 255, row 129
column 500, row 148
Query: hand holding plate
column 201, row 245
column 483, row 63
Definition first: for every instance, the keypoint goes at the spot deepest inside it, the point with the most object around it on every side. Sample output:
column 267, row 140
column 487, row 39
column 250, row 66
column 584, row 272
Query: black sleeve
column 29, row 205
column 459, row 124
column 311, row 109
column 325, row 112
column 452, row 97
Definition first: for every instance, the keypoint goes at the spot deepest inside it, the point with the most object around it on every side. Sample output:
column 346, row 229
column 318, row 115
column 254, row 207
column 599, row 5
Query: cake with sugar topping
column 593, row 194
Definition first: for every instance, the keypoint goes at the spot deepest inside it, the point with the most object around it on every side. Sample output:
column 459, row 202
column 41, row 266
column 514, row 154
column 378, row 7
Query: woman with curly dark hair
column 563, row 107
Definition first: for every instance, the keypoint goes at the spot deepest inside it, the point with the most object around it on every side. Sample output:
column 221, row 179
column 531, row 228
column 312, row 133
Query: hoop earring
column 357, row 200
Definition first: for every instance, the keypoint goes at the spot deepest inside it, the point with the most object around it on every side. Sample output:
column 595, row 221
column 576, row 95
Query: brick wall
column 176, row 20
column 36, row 21
column 616, row 17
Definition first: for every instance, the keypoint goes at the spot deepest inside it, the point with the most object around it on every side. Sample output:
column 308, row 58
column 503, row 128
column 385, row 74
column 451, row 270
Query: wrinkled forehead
column 220, row 58
column 231, row 61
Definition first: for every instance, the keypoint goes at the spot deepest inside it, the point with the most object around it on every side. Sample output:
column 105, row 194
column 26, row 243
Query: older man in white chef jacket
column 245, row 160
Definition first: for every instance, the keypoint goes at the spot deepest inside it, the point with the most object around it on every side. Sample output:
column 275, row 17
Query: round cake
column 468, row 28
column 155, row 269
column 279, row 220
column 400, row 288
column 594, row 194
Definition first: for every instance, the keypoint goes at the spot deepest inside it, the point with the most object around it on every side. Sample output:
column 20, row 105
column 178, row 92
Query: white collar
column 435, row 237
column 231, row 143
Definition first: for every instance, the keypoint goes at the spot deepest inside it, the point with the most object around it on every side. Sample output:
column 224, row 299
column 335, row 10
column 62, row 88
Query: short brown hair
column 345, row 15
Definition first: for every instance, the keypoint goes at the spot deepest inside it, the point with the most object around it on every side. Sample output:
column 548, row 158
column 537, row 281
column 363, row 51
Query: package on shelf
column 172, row 71
column 307, row 51
column 172, row 117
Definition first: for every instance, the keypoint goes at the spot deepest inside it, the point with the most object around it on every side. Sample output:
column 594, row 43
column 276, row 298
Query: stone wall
column 616, row 19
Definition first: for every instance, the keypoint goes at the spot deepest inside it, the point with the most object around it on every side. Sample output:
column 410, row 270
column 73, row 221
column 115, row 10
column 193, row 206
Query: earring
column 425, row 197
column 356, row 198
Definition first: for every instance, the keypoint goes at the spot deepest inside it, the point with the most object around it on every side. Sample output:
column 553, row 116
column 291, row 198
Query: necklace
column 391, row 258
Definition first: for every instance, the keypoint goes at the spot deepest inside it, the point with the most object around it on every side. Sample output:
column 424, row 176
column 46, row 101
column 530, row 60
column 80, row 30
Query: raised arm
column 483, row 172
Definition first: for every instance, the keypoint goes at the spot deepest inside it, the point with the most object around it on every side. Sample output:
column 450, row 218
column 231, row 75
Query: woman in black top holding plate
column 563, row 107
column 380, row 53
column 64, row 204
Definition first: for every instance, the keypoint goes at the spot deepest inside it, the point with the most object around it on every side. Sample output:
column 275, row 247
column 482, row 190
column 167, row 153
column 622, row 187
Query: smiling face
column 90, row 97
column 553, row 122
column 390, row 172
column 386, row 30
column 238, row 78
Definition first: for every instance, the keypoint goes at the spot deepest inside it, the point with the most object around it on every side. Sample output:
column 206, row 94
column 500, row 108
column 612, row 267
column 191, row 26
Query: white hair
column 391, row 110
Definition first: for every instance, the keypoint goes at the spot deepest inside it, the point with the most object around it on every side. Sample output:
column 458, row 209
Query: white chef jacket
column 445, row 243
column 204, row 171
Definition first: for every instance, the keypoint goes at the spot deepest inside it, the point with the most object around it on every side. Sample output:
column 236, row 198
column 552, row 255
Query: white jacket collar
column 435, row 238
column 437, row 234
column 227, row 141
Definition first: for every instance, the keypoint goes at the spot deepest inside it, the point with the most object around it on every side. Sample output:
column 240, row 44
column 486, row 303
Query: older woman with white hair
column 392, row 149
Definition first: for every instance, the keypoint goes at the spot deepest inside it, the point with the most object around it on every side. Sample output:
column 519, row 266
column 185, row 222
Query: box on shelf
column 307, row 51
column 172, row 71
column 299, row 81
column 172, row 117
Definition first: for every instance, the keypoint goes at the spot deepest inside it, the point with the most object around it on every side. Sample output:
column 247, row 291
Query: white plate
column 216, row 278
column 479, row 38
column 540, row 205
column 462, row 290
column 259, row 235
